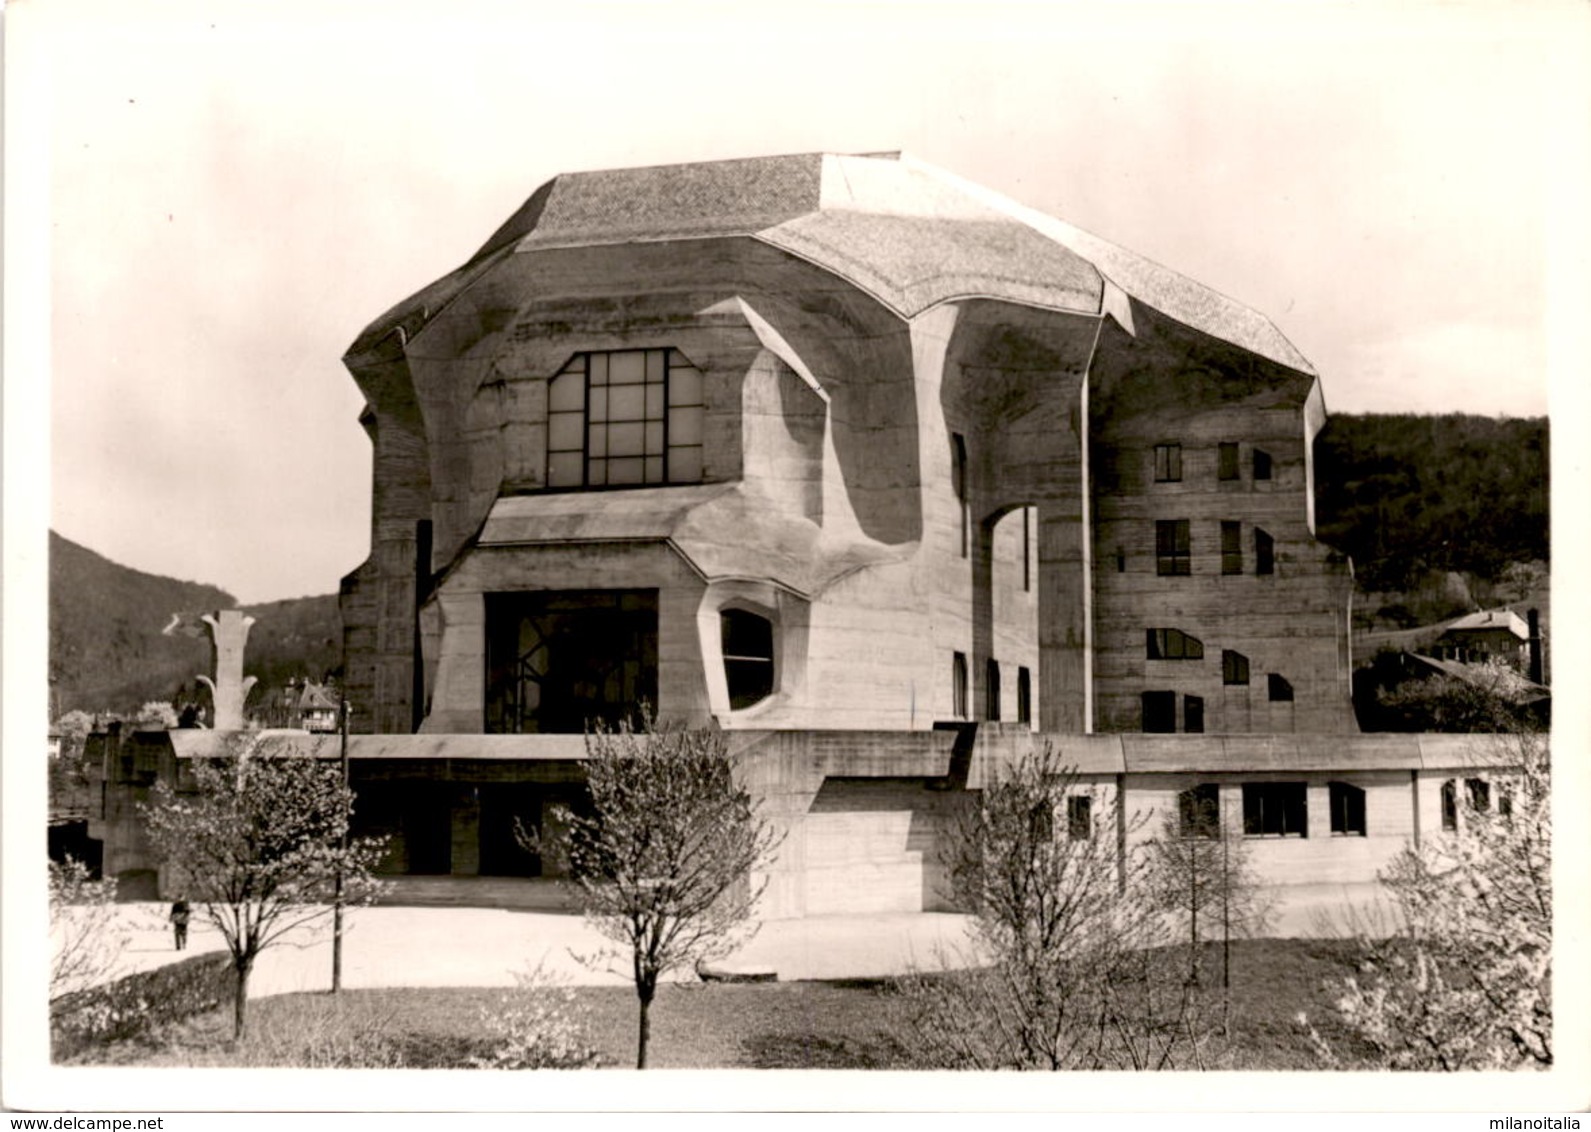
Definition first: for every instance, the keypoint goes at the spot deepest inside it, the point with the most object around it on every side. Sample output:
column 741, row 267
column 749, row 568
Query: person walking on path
column 180, row 914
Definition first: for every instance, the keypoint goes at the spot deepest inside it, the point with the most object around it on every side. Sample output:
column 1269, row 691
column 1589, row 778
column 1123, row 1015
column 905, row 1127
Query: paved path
column 452, row 946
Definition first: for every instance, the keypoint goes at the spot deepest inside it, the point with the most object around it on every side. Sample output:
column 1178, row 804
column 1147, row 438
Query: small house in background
column 1492, row 634
column 317, row 707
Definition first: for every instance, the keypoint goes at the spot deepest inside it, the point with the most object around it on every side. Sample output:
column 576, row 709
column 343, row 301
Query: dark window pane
column 1173, row 551
column 1262, row 465
column 1234, row 667
column 1168, row 463
column 1199, row 811
column 1080, row 817
column 992, row 679
column 747, row 641
column 1280, row 690
column 1347, row 809
column 1264, row 552
column 1193, row 714
column 1160, row 712
column 958, row 685
column 1275, row 809
column 1231, row 547
column 1024, row 696
column 1450, row 805
column 1227, row 469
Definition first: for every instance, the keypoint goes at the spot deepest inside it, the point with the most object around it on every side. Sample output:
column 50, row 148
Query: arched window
column 748, row 656
column 625, row 418
column 1279, row 688
column 1172, row 644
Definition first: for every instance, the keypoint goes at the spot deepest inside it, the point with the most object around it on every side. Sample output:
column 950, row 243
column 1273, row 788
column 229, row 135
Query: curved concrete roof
column 910, row 234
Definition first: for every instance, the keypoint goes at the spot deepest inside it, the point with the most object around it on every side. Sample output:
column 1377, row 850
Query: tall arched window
column 625, row 418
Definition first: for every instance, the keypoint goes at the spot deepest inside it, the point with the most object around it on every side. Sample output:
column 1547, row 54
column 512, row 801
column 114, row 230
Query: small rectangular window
column 1199, row 811
column 1275, row 809
column 958, row 685
column 1193, row 714
column 1080, row 817
column 1347, row 809
column 1450, row 806
column 1159, row 712
column 1024, row 696
column 1264, row 552
column 1234, row 667
column 1231, row 547
column 1168, row 463
column 1227, row 461
column 1262, row 465
column 992, row 691
column 958, row 453
column 1279, row 689
column 1173, row 548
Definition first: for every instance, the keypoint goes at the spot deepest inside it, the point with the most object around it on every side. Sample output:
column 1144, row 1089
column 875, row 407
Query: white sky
column 238, row 189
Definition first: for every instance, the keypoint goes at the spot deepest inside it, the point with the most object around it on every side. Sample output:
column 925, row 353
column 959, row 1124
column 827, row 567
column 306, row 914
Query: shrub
column 138, row 1005
column 538, row 1026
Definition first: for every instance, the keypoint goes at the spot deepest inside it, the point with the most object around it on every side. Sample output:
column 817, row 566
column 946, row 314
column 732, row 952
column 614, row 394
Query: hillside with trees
column 108, row 651
column 1408, row 496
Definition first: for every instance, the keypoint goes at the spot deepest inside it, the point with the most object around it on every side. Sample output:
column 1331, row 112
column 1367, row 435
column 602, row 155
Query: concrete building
column 886, row 476
column 835, row 441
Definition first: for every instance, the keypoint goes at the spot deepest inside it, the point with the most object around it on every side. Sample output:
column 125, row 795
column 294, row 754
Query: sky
column 236, row 190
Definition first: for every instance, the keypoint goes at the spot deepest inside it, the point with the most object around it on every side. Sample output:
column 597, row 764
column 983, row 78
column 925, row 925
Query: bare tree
column 1464, row 979
column 664, row 857
column 258, row 844
column 1062, row 974
column 1203, row 881
column 86, row 941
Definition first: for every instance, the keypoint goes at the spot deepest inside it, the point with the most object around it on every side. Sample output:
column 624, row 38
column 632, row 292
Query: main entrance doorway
column 559, row 660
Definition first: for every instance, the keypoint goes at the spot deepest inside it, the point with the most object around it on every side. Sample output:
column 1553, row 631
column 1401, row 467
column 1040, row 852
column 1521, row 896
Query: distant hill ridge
column 108, row 652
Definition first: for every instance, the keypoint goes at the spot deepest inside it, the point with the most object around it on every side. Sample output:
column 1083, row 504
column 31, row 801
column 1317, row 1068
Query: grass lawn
column 846, row 1024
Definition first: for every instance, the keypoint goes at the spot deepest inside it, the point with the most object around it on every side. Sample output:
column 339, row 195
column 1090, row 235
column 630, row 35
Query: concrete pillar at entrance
column 229, row 633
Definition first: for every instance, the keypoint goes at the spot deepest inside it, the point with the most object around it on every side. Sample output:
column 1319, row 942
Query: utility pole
column 337, row 895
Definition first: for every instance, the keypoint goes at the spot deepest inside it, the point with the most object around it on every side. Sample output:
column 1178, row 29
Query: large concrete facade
column 835, row 442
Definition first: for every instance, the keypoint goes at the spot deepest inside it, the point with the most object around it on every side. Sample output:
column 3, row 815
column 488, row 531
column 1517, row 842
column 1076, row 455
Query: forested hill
column 108, row 652
column 1407, row 494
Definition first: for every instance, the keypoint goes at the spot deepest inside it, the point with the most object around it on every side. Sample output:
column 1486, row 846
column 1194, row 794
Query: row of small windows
column 1272, row 809
column 1174, row 548
column 1174, row 644
column 1168, row 463
column 991, row 684
column 625, row 418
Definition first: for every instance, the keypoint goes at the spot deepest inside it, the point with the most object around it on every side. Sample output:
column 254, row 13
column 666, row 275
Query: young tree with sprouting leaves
column 664, row 856
column 1463, row 980
column 257, row 844
column 1203, row 881
column 1061, row 973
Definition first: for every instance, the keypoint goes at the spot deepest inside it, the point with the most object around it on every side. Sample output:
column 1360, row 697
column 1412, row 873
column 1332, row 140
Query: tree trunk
column 240, row 1002
column 644, row 991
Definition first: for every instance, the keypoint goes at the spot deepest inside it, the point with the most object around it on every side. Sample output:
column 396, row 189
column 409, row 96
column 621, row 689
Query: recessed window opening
column 1159, row 712
column 1193, row 714
column 1264, row 552
column 1280, row 690
column 747, row 641
column 1172, row 644
column 958, row 685
column 1199, row 811
column 1173, row 547
column 1262, row 465
column 1027, row 549
column 1347, row 803
column 958, row 451
column 1234, row 667
column 622, row 418
column 1231, row 547
column 1505, row 801
column 1168, row 463
column 1226, row 461
column 991, row 670
column 1450, row 806
column 1080, row 817
column 1275, row 809
column 1479, row 793
column 1024, row 695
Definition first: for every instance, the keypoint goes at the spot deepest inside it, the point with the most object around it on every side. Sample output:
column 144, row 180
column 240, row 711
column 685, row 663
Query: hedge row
column 139, row 1004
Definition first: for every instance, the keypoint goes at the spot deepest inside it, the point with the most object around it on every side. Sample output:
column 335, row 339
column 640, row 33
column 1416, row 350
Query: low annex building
column 886, row 476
